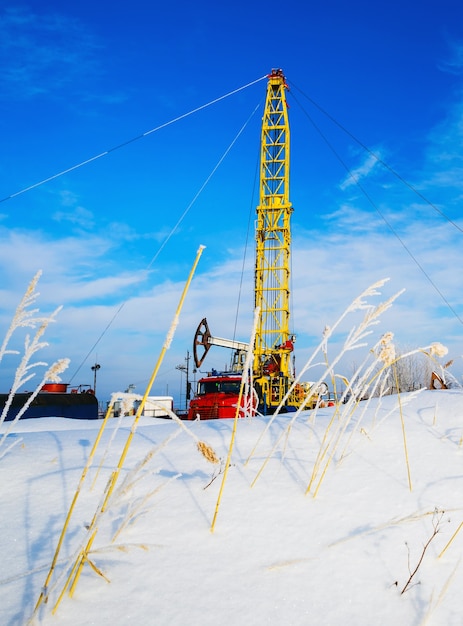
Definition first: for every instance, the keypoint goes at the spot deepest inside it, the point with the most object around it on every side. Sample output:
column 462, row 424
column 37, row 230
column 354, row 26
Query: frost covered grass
column 372, row 378
column 385, row 547
column 27, row 317
column 276, row 555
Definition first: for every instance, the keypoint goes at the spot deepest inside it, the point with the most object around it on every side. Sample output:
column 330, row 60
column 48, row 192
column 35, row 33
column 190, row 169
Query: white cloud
column 362, row 171
column 78, row 216
column 328, row 272
column 454, row 63
column 34, row 46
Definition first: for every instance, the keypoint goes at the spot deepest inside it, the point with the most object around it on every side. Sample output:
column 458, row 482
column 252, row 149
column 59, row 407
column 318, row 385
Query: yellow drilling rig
column 272, row 373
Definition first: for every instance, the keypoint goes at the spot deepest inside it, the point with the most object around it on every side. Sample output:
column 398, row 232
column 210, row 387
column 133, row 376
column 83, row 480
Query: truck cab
column 217, row 397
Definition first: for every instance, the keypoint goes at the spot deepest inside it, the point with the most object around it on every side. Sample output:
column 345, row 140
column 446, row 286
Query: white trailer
column 155, row 406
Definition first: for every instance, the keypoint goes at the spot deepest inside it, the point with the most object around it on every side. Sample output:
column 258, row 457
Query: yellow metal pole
column 115, row 474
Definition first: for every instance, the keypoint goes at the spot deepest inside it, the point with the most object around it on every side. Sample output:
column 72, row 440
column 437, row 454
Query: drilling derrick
column 273, row 343
column 274, row 386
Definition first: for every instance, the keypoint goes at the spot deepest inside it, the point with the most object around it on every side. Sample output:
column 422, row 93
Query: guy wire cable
column 383, row 217
column 173, row 230
column 376, row 157
column 129, row 141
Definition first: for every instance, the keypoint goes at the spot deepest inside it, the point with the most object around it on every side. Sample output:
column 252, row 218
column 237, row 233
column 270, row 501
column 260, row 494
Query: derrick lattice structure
column 273, row 344
column 273, row 385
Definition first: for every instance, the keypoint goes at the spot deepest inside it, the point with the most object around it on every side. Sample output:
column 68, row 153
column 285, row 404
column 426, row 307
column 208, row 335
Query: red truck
column 217, row 397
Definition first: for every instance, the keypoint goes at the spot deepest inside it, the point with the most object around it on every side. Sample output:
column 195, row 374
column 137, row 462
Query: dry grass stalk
column 404, row 436
column 451, row 540
column 354, row 340
column 356, row 388
column 23, row 317
column 127, row 399
column 43, row 597
column 323, row 449
column 138, row 507
column 441, row 596
column 366, row 384
column 369, row 380
column 437, row 518
column 207, row 452
column 247, row 368
column 363, row 408
column 26, row 317
column 82, row 556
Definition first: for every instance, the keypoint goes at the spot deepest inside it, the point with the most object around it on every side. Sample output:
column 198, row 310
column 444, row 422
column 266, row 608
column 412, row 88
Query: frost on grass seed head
column 171, row 332
column 25, row 371
column 207, row 452
column 325, row 338
column 360, row 302
column 387, row 338
column 24, row 316
column 437, row 349
column 53, row 373
column 387, row 350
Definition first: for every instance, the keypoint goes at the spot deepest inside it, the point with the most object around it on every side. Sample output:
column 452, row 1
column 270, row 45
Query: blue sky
column 81, row 81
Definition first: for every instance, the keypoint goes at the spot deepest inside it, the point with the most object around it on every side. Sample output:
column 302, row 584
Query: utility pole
column 95, row 368
column 186, row 369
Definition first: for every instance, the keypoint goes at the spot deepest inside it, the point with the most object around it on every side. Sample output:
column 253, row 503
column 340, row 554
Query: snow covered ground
column 277, row 555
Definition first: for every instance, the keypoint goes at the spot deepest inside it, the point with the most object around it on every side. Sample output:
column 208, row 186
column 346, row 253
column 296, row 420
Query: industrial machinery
column 53, row 400
column 272, row 375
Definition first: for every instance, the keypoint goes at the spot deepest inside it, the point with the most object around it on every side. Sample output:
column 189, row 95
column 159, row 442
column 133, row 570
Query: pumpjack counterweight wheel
column 201, row 343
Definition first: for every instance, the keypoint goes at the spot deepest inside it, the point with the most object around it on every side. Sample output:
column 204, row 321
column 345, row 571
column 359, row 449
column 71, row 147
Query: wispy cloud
column 360, row 172
column 41, row 52
column 351, row 218
column 454, row 62
column 67, row 262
